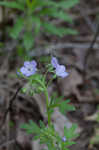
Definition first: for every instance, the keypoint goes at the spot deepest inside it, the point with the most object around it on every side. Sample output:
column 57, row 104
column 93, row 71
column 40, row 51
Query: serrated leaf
column 64, row 107
column 12, row 5
column 17, row 28
column 31, row 127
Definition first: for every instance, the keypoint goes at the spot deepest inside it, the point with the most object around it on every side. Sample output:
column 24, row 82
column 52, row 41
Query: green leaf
column 37, row 22
column 51, row 29
column 64, row 106
column 69, row 143
column 36, row 78
column 61, row 15
column 42, row 125
column 20, row 51
column 37, row 28
column 50, row 146
column 70, row 132
column 31, row 127
column 12, row 5
column 67, row 4
column 35, row 4
column 17, row 28
column 56, row 14
column 44, row 59
column 69, row 31
column 51, row 110
column 53, row 98
column 28, row 40
column 36, row 137
column 24, row 90
column 23, row 2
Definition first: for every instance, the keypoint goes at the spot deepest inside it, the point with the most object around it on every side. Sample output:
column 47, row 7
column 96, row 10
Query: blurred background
column 78, row 50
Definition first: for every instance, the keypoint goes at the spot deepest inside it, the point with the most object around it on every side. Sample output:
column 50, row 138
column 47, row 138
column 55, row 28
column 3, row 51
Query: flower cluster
column 30, row 68
column 60, row 70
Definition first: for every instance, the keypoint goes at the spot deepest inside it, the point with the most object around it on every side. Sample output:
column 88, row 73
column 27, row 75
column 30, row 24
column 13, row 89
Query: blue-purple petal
column 34, row 63
column 54, row 62
column 26, row 63
column 29, row 68
column 64, row 139
column 61, row 71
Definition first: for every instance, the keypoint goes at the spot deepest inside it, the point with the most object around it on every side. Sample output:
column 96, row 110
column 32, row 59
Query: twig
column 10, row 106
column 41, row 51
column 90, row 49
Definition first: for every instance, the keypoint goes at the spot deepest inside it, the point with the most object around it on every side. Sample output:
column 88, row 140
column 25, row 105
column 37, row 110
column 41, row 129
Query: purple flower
column 54, row 62
column 60, row 70
column 29, row 68
column 64, row 139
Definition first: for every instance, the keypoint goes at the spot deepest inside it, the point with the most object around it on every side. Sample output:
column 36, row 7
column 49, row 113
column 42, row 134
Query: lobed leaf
column 31, row 127
column 12, row 5
column 64, row 107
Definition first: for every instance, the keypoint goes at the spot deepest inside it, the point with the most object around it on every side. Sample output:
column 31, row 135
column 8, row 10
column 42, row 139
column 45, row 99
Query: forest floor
column 80, row 55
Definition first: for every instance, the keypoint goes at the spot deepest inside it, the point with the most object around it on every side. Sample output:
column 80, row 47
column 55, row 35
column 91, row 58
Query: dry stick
column 10, row 106
column 90, row 49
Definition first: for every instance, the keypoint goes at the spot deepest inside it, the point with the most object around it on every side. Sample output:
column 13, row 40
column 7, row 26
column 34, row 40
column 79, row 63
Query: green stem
column 47, row 100
column 47, row 104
